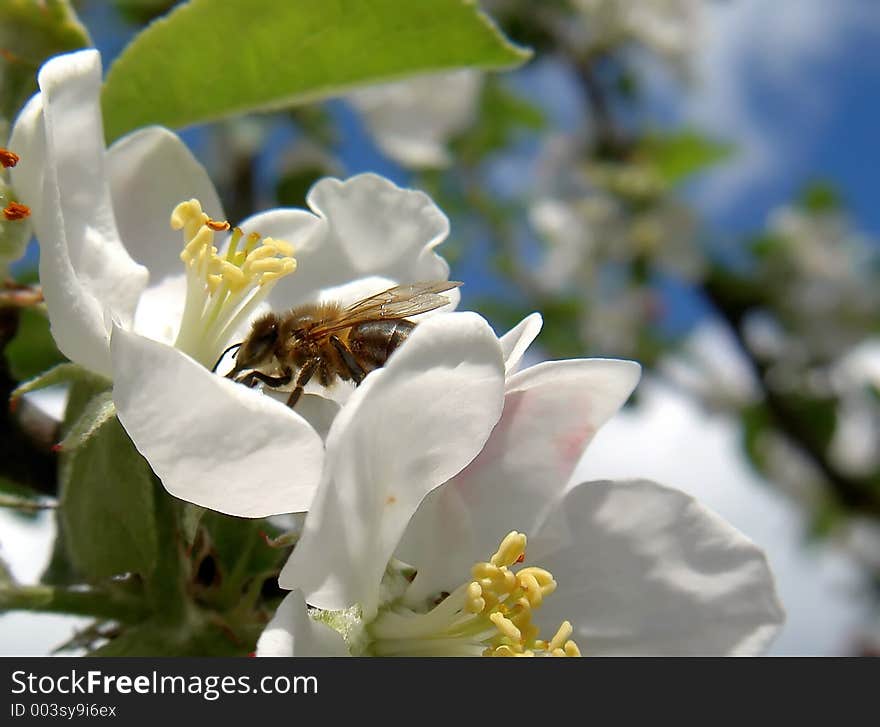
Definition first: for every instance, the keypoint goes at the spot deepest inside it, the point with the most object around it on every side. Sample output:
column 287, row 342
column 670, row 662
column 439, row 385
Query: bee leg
column 354, row 368
column 302, row 378
column 250, row 380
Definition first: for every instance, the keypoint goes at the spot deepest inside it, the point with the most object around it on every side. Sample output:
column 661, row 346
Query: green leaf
column 30, row 32
column 677, row 156
column 13, row 490
column 33, row 349
column 95, row 415
column 241, row 553
column 65, row 373
column 107, row 505
column 190, row 519
column 60, row 571
column 502, row 116
column 206, row 60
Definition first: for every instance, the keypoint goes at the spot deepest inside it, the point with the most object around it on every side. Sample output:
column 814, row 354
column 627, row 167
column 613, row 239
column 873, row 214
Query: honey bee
column 330, row 341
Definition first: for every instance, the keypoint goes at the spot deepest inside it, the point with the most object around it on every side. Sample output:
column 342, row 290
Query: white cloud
column 755, row 51
column 668, row 438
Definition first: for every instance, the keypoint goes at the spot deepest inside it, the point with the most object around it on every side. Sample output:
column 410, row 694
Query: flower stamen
column 15, row 211
column 8, row 158
column 223, row 291
column 490, row 616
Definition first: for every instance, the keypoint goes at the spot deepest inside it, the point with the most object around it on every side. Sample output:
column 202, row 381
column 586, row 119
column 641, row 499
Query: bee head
column 259, row 346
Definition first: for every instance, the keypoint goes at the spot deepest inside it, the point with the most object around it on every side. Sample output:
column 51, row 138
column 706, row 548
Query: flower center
column 222, row 291
column 490, row 615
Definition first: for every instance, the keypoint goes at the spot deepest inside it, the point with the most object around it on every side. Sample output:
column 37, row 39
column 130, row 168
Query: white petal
column 409, row 427
column 84, row 268
column 292, row 633
column 150, row 172
column 211, row 441
column 515, row 342
column 369, row 227
column 160, row 309
column 645, row 569
column 551, row 412
column 76, row 317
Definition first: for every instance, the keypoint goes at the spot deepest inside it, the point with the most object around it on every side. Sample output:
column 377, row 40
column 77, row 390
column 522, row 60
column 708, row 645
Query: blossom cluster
column 441, row 515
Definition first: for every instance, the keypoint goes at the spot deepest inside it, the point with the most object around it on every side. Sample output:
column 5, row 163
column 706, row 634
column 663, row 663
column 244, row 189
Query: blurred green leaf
column 60, row 571
column 206, row 60
column 33, row 349
column 293, row 186
column 14, row 489
column 96, row 413
column 824, row 519
column 766, row 244
column 6, row 578
column 817, row 417
column 107, row 505
column 190, row 519
column 678, row 155
column 157, row 639
column 240, row 555
column 30, row 32
column 503, row 114
column 755, row 426
column 141, row 12
column 821, row 197
column 66, row 373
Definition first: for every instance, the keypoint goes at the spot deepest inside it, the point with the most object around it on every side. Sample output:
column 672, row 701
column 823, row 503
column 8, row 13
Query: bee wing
column 401, row 301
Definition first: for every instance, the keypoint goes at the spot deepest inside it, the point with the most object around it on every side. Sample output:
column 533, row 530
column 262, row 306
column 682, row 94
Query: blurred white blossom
column 396, row 555
column 413, row 120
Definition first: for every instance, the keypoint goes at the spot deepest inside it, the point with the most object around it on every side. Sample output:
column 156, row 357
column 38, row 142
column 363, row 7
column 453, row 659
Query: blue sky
column 793, row 84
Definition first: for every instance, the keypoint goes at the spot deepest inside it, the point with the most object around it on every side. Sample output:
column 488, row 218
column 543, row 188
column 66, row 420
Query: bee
column 330, row 341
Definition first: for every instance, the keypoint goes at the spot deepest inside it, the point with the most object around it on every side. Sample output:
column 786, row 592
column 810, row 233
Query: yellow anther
column 222, row 291
column 263, row 252
column 491, row 614
column 503, row 650
column 530, row 585
column 543, row 577
column 288, row 265
column 258, row 267
column 218, row 225
column 281, row 246
column 506, row 626
column 214, row 282
column 189, row 217
column 559, row 640
column 253, row 239
column 233, row 275
column 512, row 548
column 510, row 598
column 474, row 603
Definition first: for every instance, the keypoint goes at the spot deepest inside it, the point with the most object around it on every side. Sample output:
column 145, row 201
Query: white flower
column 412, row 120
column 392, row 563
column 667, row 27
column 111, row 264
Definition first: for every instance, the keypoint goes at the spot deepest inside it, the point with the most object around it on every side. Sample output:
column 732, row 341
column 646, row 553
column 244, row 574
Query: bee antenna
column 235, row 346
